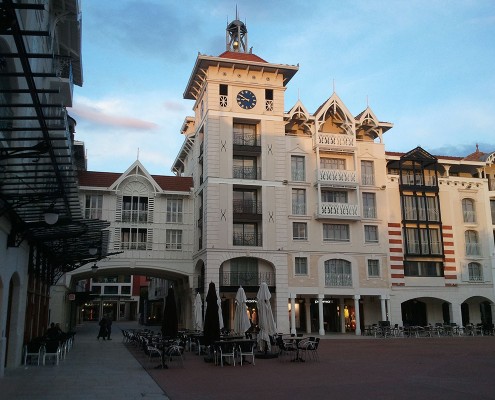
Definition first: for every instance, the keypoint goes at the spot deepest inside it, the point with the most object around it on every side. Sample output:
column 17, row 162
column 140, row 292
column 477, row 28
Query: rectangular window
column 333, row 196
column 369, row 205
column 93, row 206
column 298, row 201
column 125, row 290
column 174, row 210
column 297, row 168
column 245, row 135
column 299, row 231
column 111, row 290
column 133, row 239
column 301, row 266
column 245, row 168
column 246, row 234
column 367, row 173
column 245, row 202
column 336, row 232
column 475, row 272
column 423, row 268
column 173, row 239
column 332, row 163
column 224, row 89
column 371, row 234
column 134, row 209
column 373, row 268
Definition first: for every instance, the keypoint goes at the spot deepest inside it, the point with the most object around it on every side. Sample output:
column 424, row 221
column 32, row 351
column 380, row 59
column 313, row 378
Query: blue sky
column 426, row 66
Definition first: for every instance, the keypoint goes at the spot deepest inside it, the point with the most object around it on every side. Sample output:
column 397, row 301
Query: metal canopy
column 37, row 166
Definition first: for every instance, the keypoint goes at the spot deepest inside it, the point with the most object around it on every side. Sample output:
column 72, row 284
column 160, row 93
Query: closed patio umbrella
column 241, row 320
column 211, row 330
column 170, row 325
column 198, row 313
column 266, row 323
column 220, row 315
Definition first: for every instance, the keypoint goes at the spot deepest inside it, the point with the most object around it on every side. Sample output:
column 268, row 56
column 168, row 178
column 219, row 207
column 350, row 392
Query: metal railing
column 338, row 279
column 134, row 216
column 243, row 139
column 246, row 278
column 246, row 206
column 247, row 239
column 339, row 210
column 246, row 172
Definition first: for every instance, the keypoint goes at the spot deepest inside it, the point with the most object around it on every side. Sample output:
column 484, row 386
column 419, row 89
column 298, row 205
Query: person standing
column 103, row 329
column 109, row 327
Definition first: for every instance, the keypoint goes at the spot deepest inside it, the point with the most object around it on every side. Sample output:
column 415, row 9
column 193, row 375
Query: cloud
column 98, row 116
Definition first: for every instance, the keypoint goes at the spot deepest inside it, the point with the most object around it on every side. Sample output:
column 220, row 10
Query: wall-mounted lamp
column 94, row 267
column 51, row 215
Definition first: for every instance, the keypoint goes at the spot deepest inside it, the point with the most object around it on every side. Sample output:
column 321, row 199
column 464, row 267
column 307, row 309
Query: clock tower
column 234, row 147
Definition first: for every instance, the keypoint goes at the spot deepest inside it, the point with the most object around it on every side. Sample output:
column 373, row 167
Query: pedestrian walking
column 103, row 329
column 109, row 327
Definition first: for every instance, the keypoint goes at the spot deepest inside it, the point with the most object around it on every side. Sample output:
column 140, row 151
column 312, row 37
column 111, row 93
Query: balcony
column 134, row 216
column 135, row 246
column 338, row 142
column 246, row 278
column 338, row 210
column 246, row 172
column 419, row 180
column 247, row 239
column 341, row 280
column 247, row 209
column 63, row 81
column 423, row 248
column 337, row 177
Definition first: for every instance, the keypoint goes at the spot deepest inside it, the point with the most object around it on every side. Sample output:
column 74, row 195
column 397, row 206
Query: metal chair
column 35, row 350
column 52, row 350
column 226, row 350
column 246, row 349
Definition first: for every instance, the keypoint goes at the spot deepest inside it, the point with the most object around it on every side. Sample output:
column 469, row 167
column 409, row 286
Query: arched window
column 468, row 210
column 472, row 243
column 475, row 272
column 338, row 272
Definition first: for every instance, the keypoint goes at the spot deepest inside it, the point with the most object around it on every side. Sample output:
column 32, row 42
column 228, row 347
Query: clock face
column 246, row 99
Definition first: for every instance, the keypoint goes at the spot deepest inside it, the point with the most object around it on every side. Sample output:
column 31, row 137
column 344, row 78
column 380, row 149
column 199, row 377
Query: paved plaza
column 349, row 368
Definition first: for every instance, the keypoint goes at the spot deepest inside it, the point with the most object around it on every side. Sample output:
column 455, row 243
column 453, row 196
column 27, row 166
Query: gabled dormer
column 334, row 126
column 298, row 121
column 369, row 128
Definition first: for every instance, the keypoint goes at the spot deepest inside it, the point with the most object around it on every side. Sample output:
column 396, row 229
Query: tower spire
column 236, row 36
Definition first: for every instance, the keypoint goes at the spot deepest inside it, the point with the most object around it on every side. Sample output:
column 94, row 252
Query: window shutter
column 149, row 239
column 118, row 210
column 464, row 273
column 151, row 209
column 116, row 239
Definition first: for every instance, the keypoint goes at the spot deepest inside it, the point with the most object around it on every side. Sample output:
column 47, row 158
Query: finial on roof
column 137, row 154
column 333, row 85
column 477, row 148
column 367, row 102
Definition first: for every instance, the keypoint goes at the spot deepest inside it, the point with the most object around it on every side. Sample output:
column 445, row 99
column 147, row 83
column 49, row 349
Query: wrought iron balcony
column 134, row 216
column 247, row 239
column 64, row 79
column 247, row 207
column 246, row 172
column 338, row 280
column 246, row 278
column 243, row 139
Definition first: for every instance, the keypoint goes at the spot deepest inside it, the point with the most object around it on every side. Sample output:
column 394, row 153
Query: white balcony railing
column 337, row 176
column 344, row 210
column 332, row 140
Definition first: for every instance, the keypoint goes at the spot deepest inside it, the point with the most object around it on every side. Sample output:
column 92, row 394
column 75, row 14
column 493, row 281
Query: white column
column 320, row 314
column 456, row 314
column 307, row 309
column 356, row 314
column 342, row 314
column 293, row 313
column 383, row 307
